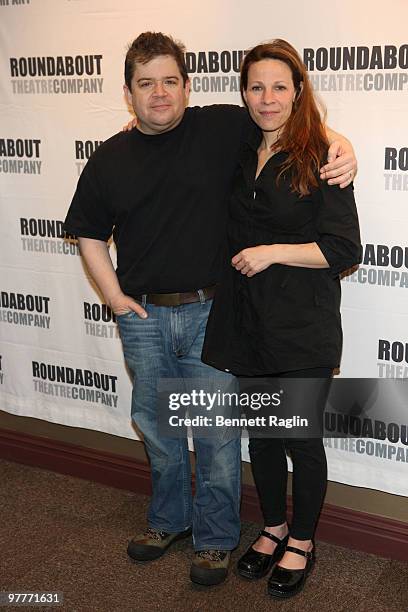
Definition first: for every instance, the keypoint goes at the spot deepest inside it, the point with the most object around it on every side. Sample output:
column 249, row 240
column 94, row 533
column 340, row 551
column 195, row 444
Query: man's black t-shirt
column 165, row 197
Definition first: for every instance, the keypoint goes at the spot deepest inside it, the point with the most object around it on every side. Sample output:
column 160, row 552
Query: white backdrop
column 61, row 95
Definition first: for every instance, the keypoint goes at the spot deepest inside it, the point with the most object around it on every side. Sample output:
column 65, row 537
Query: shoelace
column 156, row 534
column 212, row 555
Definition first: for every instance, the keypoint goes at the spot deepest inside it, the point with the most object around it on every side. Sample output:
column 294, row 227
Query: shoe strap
column 272, row 537
column 304, row 553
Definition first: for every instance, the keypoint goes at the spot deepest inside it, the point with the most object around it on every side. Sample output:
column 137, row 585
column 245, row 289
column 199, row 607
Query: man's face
column 158, row 95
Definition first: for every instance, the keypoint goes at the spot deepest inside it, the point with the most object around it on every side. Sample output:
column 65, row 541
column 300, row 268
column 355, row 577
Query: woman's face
column 270, row 93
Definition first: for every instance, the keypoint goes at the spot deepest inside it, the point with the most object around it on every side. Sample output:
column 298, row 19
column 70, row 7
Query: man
column 163, row 189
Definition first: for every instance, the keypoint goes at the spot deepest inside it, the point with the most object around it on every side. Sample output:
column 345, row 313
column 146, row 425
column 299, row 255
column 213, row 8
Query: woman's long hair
column 303, row 136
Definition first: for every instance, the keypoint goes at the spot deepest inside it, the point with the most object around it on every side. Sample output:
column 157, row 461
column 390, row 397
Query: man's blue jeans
column 168, row 344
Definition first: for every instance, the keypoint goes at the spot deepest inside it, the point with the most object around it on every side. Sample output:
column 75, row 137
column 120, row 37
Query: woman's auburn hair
column 303, row 137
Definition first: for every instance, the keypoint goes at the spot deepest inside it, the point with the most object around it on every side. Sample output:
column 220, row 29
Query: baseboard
column 358, row 530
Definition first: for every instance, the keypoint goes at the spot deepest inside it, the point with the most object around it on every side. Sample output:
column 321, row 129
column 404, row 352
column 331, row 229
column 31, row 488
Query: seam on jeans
column 199, row 324
column 175, row 330
column 186, row 485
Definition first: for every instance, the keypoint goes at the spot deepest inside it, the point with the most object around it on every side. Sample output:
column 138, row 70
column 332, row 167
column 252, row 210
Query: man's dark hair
column 149, row 45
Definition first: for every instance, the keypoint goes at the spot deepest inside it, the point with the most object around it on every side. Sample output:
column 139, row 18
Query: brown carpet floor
column 59, row 533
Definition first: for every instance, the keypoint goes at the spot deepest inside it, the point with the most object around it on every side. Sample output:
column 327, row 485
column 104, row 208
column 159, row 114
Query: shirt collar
column 254, row 139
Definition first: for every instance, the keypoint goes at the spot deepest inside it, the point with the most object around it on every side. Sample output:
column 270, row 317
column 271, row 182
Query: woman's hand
column 129, row 126
column 253, row 260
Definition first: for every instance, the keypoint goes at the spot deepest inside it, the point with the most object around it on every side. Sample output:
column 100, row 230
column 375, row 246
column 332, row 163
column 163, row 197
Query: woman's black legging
column 270, row 471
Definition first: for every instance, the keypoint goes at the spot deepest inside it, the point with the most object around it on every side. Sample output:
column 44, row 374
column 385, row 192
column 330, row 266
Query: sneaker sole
column 208, row 577
column 144, row 552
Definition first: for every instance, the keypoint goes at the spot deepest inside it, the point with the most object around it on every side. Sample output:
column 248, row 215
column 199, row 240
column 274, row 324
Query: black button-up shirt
column 284, row 318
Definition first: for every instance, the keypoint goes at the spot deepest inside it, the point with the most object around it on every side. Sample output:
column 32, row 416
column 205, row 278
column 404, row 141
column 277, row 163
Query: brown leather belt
column 176, row 299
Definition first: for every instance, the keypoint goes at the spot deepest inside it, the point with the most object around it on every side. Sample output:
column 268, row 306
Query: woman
column 277, row 311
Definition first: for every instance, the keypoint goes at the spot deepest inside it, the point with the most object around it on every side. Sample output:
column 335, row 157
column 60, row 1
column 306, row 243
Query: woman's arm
column 256, row 259
column 337, row 247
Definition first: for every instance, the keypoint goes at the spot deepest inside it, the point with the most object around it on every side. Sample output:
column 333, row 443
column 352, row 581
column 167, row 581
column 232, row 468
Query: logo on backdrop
column 46, row 236
column 372, row 448
column 20, row 156
column 83, row 151
column 75, row 383
column 382, row 265
column 61, row 74
column 392, row 358
column 14, row 3
column 376, row 425
column 376, row 68
column 100, row 321
column 214, row 71
column 396, row 166
column 1, row 370
column 25, row 309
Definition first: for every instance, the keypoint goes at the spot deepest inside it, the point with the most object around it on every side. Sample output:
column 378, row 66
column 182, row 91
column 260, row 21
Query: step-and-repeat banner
column 61, row 96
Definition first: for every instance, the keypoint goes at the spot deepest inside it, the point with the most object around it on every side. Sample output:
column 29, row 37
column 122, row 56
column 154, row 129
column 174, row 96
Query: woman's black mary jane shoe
column 285, row 582
column 254, row 564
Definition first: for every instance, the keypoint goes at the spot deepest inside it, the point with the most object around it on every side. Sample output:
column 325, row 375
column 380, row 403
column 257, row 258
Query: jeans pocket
column 128, row 314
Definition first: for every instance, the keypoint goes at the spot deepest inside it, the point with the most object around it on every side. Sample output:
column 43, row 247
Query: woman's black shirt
column 284, row 318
